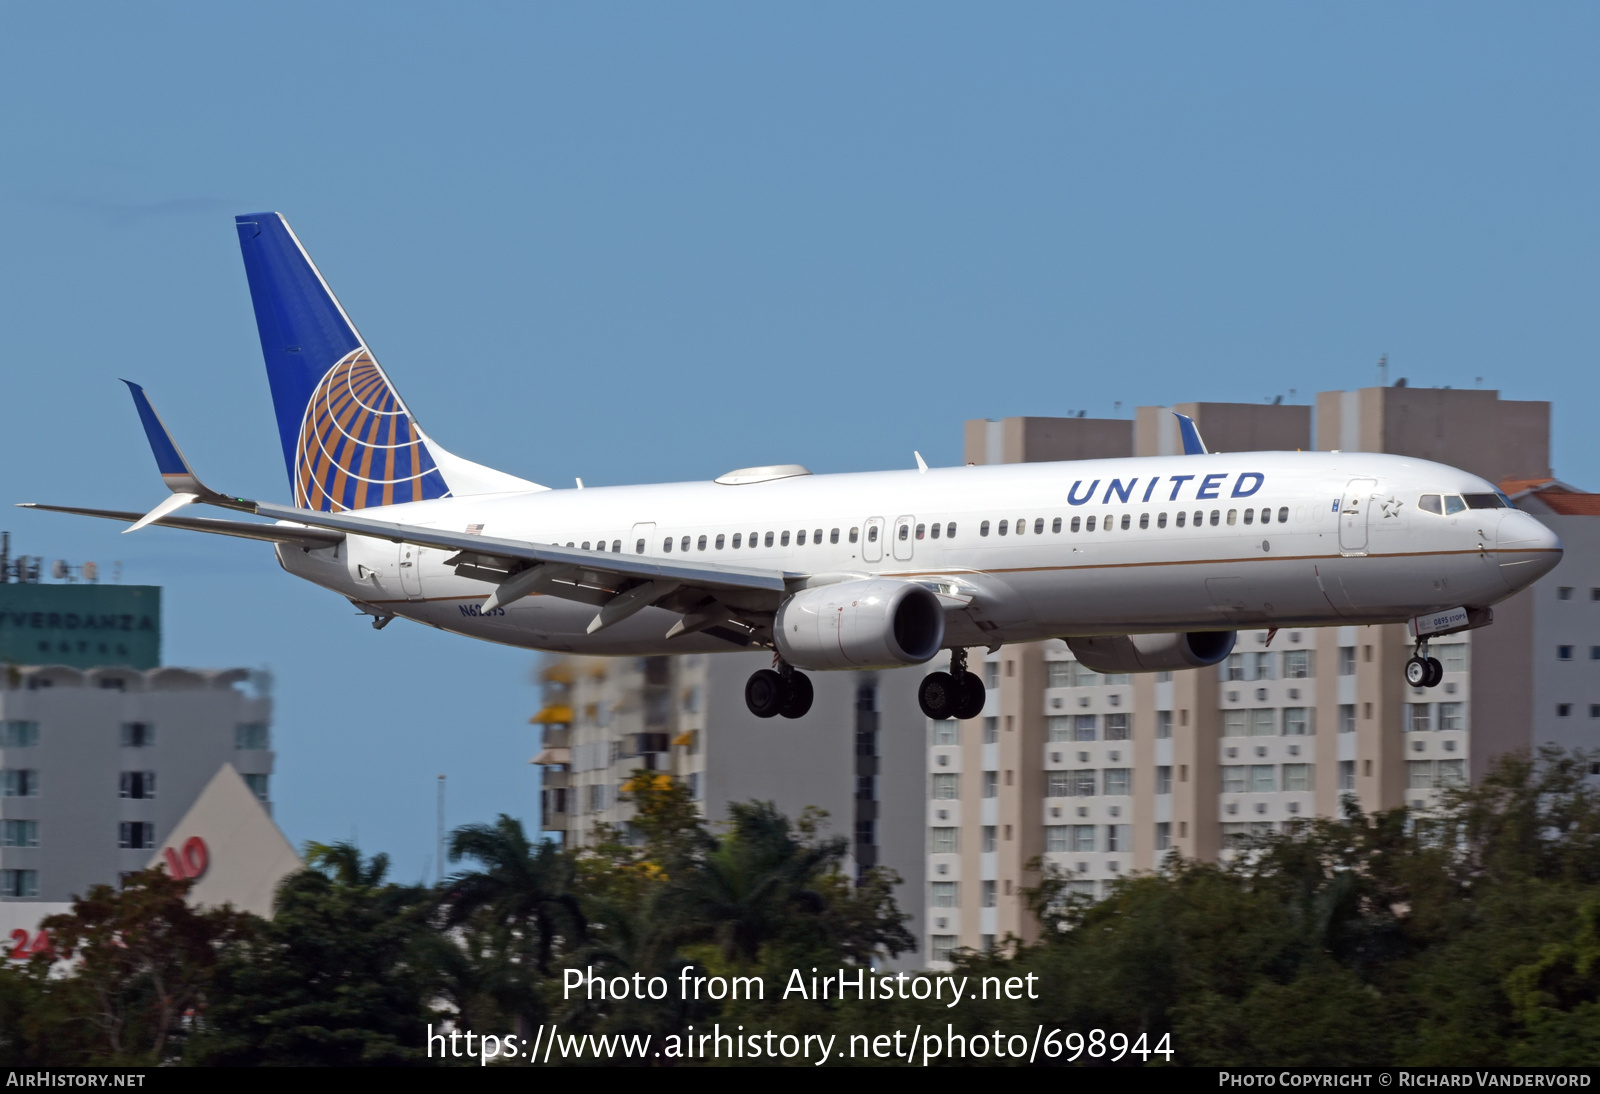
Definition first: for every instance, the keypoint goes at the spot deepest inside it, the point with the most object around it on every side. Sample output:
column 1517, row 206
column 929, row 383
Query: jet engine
column 1152, row 652
column 875, row 623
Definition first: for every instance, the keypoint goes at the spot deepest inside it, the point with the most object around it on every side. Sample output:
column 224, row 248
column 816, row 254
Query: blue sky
column 653, row 242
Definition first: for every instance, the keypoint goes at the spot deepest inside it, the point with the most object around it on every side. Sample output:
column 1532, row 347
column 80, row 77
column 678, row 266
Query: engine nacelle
column 878, row 623
column 1152, row 652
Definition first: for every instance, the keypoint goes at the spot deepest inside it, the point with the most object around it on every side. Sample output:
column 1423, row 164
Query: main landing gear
column 954, row 694
column 782, row 691
column 1423, row 671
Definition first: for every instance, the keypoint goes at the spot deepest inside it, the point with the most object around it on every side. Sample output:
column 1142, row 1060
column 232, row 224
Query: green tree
column 344, row 974
column 145, row 964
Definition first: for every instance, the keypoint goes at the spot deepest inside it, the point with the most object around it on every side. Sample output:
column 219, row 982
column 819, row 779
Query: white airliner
column 1140, row 564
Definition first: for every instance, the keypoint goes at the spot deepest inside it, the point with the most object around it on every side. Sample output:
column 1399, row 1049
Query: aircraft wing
column 479, row 550
column 310, row 538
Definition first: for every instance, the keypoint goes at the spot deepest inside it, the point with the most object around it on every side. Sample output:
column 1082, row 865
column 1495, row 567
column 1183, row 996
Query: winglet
column 175, row 471
column 1192, row 444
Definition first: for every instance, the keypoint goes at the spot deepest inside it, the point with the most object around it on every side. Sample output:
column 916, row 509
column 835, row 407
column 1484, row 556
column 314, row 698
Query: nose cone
column 1527, row 550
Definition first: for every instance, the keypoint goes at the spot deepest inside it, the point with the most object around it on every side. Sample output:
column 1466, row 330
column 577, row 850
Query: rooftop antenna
column 5, row 556
column 1383, row 370
column 1118, row 406
column 1478, row 380
column 440, row 872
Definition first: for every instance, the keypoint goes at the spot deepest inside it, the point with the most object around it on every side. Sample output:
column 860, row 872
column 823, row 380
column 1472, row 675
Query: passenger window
column 872, row 534
column 1431, row 503
column 1249, row 516
column 1181, row 518
column 904, row 532
column 1266, row 517
column 1055, row 525
column 616, row 546
column 1076, row 524
column 720, row 541
column 854, row 532
column 666, row 545
column 1144, row 520
column 783, row 540
column 585, row 545
column 1002, row 528
column 816, row 537
column 950, row 530
column 1233, row 517
column 800, row 538
column 935, row 531
column 700, row 544
column 1453, row 504
column 1161, row 520
column 769, row 539
column 638, row 548
column 922, row 530
column 1088, row 525
column 1215, row 515
column 833, row 537
column 738, row 540
column 983, row 529
column 684, row 546
column 1199, row 518
column 1283, row 514
column 1125, row 520
column 1038, row 526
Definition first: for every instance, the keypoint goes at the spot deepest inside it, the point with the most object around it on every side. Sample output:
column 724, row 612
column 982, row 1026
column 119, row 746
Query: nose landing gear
column 769, row 693
column 954, row 694
column 1423, row 671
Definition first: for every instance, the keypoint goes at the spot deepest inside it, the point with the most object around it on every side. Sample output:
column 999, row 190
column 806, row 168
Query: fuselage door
column 639, row 540
column 410, row 564
column 903, row 543
column 872, row 540
column 1353, row 516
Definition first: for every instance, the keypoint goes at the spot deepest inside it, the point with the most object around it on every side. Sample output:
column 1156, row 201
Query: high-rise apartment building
column 1095, row 775
column 101, row 751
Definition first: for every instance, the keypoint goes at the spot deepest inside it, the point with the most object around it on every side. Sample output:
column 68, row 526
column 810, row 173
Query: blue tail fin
column 349, row 441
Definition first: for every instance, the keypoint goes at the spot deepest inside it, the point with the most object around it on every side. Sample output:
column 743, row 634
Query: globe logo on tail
column 358, row 446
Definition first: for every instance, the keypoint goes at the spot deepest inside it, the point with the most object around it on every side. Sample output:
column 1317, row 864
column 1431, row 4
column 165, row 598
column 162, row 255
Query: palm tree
column 757, row 885
column 523, row 886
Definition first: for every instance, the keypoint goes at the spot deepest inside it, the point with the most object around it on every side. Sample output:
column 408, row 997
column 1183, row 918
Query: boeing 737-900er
column 1141, row 565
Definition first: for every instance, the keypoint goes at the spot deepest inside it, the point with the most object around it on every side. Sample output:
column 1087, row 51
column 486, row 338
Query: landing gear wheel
column 973, row 696
column 939, row 696
column 797, row 696
column 1435, row 673
column 1418, row 673
column 764, row 693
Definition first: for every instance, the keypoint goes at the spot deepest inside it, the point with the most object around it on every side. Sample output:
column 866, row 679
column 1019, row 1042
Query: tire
column 973, row 696
column 1435, row 673
column 763, row 693
column 939, row 696
column 1418, row 673
column 797, row 697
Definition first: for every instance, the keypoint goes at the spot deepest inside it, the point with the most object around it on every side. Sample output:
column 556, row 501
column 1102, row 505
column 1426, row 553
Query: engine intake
column 1152, row 652
column 876, row 623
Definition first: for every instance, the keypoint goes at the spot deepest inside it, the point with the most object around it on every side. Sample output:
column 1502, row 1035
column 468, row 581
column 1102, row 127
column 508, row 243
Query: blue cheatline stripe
column 169, row 461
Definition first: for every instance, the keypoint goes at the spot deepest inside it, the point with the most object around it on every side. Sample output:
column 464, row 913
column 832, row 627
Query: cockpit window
column 1430, row 503
column 1453, row 504
column 1485, row 501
